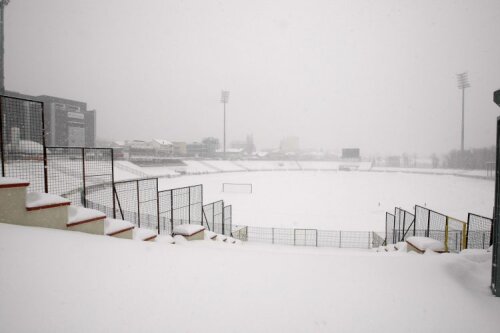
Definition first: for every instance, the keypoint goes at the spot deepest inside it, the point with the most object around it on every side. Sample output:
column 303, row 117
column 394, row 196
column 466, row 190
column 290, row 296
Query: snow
column 188, row 229
column 78, row 214
column 141, row 234
column 210, row 234
column 58, row 281
column 112, row 226
column 34, row 199
column 165, row 239
column 11, row 181
column 332, row 200
column 425, row 243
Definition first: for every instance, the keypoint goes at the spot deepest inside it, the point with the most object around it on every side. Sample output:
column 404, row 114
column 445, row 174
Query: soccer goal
column 237, row 188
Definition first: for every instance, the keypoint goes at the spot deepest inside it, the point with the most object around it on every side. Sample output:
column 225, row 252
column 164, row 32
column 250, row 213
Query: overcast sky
column 379, row 75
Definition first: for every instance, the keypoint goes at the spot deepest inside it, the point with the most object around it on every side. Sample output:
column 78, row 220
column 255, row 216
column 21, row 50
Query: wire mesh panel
column 305, row 237
column 218, row 217
column 421, row 220
column 208, row 216
column 355, row 239
column 240, row 233
column 127, row 201
column 390, row 226
column 228, row 219
column 437, row 226
column 283, row 236
column 148, row 209
column 165, row 211
column 196, row 204
column 22, row 141
column 98, row 181
column 328, row 238
column 409, row 225
column 377, row 240
column 65, row 173
column 180, row 206
column 479, row 232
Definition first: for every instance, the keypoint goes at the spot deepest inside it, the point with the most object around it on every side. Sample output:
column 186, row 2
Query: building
column 163, row 148
column 179, row 148
column 67, row 123
column 247, row 146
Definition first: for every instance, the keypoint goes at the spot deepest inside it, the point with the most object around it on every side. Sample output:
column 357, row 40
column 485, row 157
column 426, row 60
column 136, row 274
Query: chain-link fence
column 22, row 141
column 213, row 216
column 180, row 206
column 479, row 232
column 390, row 226
column 305, row 237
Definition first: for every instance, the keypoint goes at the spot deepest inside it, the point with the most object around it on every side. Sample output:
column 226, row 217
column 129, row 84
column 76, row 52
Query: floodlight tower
column 495, row 271
column 3, row 3
column 463, row 83
column 224, row 99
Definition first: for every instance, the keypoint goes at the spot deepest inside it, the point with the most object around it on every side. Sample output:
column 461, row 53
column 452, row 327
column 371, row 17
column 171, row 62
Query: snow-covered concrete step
column 46, row 210
column 37, row 201
column 142, row 234
column 9, row 182
column 85, row 220
column 118, row 228
column 190, row 231
column 12, row 200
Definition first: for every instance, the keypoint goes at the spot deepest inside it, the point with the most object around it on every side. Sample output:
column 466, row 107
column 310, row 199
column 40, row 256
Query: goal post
column 237, row 187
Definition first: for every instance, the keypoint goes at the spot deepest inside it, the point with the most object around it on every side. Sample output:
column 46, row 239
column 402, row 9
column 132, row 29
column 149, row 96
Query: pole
column 2, row 86
column 224, row 130
column 463, row 121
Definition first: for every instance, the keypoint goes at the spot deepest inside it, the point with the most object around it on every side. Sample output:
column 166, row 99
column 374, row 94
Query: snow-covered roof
column 163, row 142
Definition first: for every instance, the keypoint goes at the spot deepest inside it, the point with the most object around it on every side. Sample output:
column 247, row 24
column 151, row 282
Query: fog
column 378, row 75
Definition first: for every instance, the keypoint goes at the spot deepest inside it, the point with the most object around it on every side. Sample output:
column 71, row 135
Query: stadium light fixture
column 224, row 99
column 463, row 83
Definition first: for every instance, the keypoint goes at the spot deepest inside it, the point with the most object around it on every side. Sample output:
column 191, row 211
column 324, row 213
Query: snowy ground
column 58, row 281
column 340, row 200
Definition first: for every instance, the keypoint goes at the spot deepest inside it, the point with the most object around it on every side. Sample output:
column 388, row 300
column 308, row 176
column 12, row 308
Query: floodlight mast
column 3, row 3
column 463, row 83
column 224, row 99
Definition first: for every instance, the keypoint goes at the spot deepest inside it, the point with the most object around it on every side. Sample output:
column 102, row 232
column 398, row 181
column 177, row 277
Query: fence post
column 158, row 206
column 428, row 223
column 223, row 219
column 446, row 235
column 83, row 178
column 171, row 211
column 189, row 205
column 272, row 229
column 340, row 239
column 138, row 204
column 113, row 180
column 44, row 144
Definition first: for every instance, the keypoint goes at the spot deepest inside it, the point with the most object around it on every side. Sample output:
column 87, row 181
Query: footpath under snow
column 59, row 281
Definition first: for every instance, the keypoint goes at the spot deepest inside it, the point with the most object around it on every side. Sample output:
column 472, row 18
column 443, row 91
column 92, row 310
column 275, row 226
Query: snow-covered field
column 59, row 281
column 340, row 200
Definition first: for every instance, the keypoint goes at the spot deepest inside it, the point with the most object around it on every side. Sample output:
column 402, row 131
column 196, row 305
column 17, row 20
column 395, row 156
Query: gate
column 305, row 237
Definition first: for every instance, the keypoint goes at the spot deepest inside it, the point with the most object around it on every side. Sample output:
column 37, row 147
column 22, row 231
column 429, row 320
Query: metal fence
column 426, row 223
column 479, row 232
column 213, row 217
column 22, row 141
column 306, row 237
column 180, row 206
